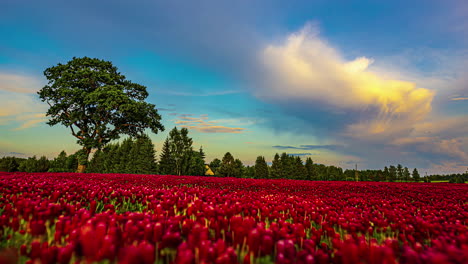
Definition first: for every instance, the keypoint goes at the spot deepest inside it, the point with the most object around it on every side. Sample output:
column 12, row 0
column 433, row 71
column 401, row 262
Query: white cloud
column 19, row 83
column 202, row 124
column 307, row 69
column 18, row 102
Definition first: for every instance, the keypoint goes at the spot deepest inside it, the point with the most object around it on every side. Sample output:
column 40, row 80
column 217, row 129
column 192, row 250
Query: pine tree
column 123, row 161
column 180, row 149
column 392, row 171
column 406, row 174
column 261, row 168
column 143, row 157
column 96, row 165
column 386, row 174
column 287, row 166
column 166, row 162
column 416, row 175
column 300, row 172
column 228, row 166
column 238, row 168
column 112, row 158
column 309, row 166
column 197, row 164
column 399, row 172
column 59, row 163
column 276, row 169
column 214, row 165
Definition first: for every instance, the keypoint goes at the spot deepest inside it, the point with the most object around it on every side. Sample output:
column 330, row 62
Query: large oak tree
column 97, row 103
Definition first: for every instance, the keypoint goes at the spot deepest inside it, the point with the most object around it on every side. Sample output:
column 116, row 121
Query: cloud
column 17, row 83
column 459, row 98
column 305, row 70
column 30, row 123
column 19, row 105
column 165, row 109
column 300, row 154
column 202, row 124
column 310, row 147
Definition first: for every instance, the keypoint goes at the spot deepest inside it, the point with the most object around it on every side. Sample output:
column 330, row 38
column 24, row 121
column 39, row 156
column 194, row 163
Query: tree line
column 137, row 155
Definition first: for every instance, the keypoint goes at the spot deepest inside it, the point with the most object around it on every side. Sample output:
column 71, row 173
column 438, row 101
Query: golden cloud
column 202, row 124
column 307, row 68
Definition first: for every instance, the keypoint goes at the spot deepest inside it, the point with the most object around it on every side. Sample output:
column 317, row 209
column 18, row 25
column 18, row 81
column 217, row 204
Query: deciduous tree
column 97, row 103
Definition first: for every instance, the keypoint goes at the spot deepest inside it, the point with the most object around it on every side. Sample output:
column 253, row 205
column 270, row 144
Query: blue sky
column 367, row 82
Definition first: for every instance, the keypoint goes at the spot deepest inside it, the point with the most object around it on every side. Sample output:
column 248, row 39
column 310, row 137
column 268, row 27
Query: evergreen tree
column 287, row 166
column 248, row 172
column 112, row 158
column 180, row 146
column 142, row 157
column 42, row 164
column 197, row 164
column 96, row 165
column 9, row 164
column 416, row 175
column 300, row 172
column 238, row 168
column 261, row 168
column 35, row 165
column 399, row 172
column 228, row 166
column 309, row 166
column 166, row 162
column 214, row 165
column 392, row 171
column 202, row 153
column 60, row 163
column 276, row 170
column 123, row 162
column 386, row 174
column 406, row 174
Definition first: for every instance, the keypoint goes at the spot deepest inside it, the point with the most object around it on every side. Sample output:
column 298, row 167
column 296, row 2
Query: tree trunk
column 83, row 160
column 81, row 168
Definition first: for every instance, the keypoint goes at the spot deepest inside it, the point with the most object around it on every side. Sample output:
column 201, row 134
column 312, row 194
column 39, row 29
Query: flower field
column 116, row 218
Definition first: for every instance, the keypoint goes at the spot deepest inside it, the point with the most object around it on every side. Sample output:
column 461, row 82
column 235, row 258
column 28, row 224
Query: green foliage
column 10, row 164
column 238, row 168
column 197, row 164
column 228, row 166
column 214, row 165
column 177, row 153
column 276, row 167
column 416, row 175
column 166, row 163
column 97, row 103
column 300, row 171
column 309, row 166
column 133, row 156
column 406, row 174
column 399, row 172
column 392, row 172
column 35, row 165
column 261, row 168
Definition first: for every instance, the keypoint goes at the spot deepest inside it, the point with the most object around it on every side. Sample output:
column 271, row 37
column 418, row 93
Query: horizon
column 356, row 83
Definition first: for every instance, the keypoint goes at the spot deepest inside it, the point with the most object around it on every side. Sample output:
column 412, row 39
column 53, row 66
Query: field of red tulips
column 115, row 218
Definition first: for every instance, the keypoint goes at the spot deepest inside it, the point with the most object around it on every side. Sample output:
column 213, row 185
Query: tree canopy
column 97, row 103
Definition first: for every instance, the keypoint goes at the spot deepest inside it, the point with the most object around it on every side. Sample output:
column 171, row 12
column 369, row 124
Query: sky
column 372, row 83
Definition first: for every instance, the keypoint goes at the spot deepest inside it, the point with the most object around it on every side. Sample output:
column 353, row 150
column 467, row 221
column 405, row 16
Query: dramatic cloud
column 307, row 70
column 202, row 124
